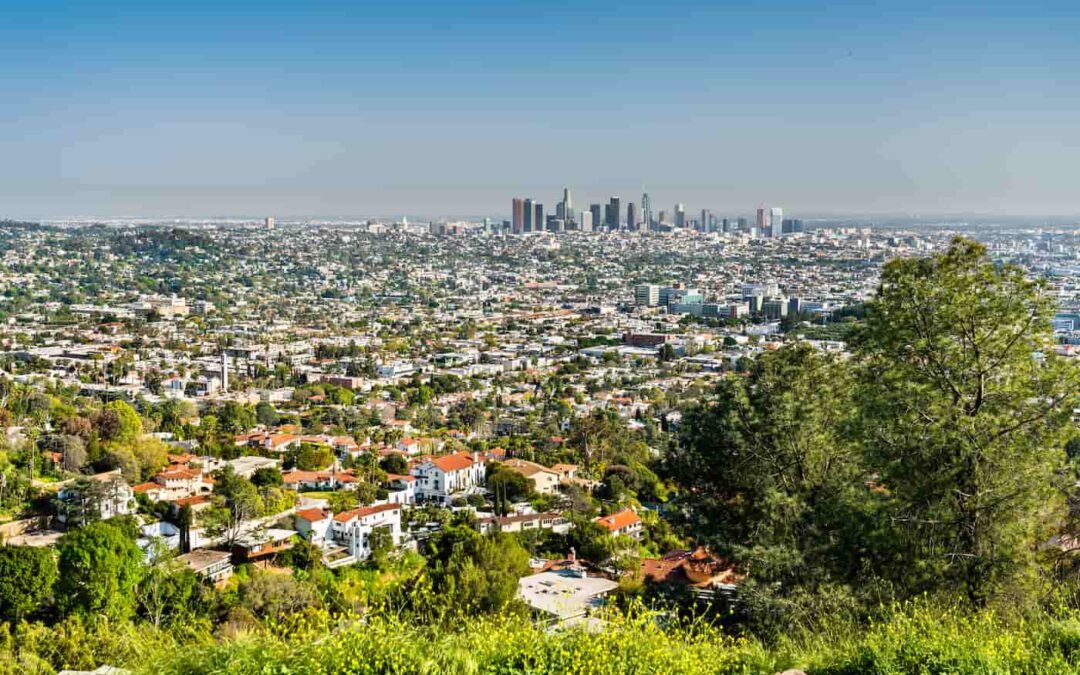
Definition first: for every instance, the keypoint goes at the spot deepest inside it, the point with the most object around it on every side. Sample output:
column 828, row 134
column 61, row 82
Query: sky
column 316, row 107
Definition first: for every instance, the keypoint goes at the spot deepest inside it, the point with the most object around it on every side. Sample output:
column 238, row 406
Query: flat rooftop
column 565, row 593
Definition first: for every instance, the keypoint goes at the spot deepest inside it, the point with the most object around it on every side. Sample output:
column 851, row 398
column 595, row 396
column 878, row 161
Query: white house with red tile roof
column 352, row 529
column 400, row 489
column 440, row 479
column 622, row 522
column 319, row 480
column 315, row 525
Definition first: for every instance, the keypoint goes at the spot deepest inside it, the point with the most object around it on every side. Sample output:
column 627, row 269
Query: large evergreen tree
column 964, row 404
column 774, row 483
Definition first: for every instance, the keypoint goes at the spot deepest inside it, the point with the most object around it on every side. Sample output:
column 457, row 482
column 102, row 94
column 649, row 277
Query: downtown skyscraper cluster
column 528, row 216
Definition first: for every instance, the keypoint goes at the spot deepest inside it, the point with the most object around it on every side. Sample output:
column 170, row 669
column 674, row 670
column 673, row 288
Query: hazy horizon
column 120, row 109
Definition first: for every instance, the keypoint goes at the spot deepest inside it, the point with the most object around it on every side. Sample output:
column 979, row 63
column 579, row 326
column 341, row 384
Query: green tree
column 266, row 414
column 314, row 456
column 236, row 418
column 236, row 500
column 27, row 575
column 777, row 486
column 169, row 592
column 965, row 409
column 128, row 423
column 394, row 463
column 477, row 574
column 99, row 566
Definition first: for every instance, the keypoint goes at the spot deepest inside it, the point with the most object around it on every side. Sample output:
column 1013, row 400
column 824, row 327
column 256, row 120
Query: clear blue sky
column 354, row 108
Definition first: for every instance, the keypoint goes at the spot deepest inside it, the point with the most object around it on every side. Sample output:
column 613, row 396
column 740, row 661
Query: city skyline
column 118, row 109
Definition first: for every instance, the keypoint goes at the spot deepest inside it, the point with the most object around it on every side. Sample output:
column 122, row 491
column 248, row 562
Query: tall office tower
column 763, row 221
column 742, row 224
column 518, row 225
column 703, row 226
column 725, row 226
column 560, row 210
column 662, row 217
column 646, row 210
column 269, row 222
column 538, row 217
column 586, row 224
column 776, row 221
column 680, row 216
column 631, row 216
column 597, row 221
column 614, row 213
column 792, row 226
column 567, row 204
column 530, row 224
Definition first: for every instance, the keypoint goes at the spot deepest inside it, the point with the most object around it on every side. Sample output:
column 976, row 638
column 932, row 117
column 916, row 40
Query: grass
column 914, row 639
column 917, row 638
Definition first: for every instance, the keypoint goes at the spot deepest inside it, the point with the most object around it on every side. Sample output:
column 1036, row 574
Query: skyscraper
column 518, row 223
column 594, row 209
column 763, row 221
column 680, row 216
column 586, row 223
column 776, row 221
column 703, row 226
column 631, row 216
column 614, row 213
column 646, row 210
column 538, row 217
column 530, row 224
column 564, row 209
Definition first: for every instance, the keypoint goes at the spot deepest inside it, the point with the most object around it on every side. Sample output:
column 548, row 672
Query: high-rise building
column 646, row 295
column 518, row 224
column 631, row 216
column 776, row 221
column 703, row 226
column 538, row 217
column 646, row 210
column 763, row 221
column 792, row 226
column 530, row 224
column 269, row 222
column 680, row 216
column 586, row 224
column 567, row 204
column 662, row 217
column 597, row 221
column 614, row 213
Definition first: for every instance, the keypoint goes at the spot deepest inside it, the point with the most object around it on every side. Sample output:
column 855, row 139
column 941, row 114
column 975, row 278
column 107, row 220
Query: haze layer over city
column 541, row 338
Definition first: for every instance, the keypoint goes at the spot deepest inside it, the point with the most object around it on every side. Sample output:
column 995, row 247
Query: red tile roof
column 313, row 515
column 620, row 520
column 455, row 462
column 346, row 516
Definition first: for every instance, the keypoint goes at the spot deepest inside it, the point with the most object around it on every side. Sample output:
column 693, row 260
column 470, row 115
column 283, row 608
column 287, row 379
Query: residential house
column 524, row 522
column 98, row 497
column 315, row 525
column 353, row 529
column 260, row 545
column 622, row 522
column 215, row 566
column 440, row 479
column 400, row 489
column 544, row 480
column 319, row 480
